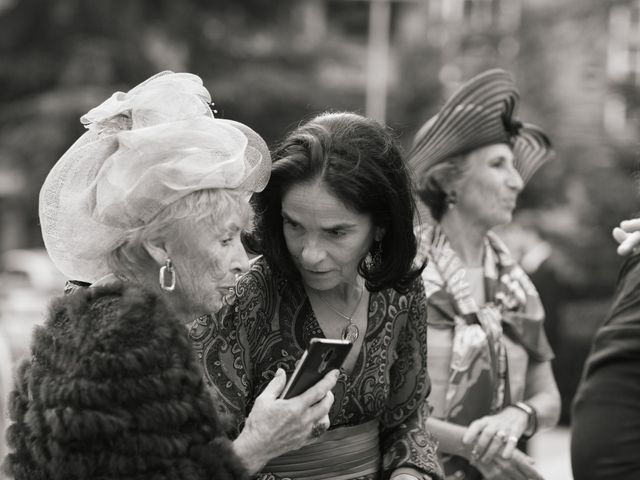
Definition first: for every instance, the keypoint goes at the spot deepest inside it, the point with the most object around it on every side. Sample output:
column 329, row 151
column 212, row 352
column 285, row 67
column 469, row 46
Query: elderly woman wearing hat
column 148, row 206
column 489, row 359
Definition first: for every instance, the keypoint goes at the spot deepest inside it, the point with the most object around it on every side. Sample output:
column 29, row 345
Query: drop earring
column 167, row 277
column 452, row 199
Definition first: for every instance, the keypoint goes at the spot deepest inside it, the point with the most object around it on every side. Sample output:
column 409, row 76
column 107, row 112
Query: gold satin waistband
column 340, row 454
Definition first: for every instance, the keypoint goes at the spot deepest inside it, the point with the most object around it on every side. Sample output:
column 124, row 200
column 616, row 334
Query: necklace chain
column 351, row 331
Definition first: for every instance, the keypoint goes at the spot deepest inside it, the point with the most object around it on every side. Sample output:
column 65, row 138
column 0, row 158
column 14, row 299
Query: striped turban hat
column 480, row 113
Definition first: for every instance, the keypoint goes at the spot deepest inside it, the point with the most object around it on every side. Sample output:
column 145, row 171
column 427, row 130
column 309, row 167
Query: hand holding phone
column 322, row 356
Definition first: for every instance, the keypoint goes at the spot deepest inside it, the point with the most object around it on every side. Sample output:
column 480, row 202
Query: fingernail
column 279, row 372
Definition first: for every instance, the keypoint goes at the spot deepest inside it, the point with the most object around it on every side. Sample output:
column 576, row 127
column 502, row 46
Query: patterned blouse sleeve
column 406, row 443
column 223, row 345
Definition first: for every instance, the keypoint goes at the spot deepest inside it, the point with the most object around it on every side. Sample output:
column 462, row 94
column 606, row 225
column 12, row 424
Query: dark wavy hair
column 360, row 162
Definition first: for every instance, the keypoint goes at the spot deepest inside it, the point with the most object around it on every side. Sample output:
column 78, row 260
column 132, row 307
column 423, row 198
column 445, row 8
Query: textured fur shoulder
column 112, row 390
column 107, row 318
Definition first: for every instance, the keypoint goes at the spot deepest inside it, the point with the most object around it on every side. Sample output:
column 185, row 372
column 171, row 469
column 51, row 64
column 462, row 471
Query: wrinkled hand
column 495, row 434
column 519, row 467
column 275, row 426
column 628, row 236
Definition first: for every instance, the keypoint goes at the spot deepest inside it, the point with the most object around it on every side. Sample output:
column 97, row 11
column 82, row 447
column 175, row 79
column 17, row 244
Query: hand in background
column 495, row 434
column 628, row 236
column 275, row 426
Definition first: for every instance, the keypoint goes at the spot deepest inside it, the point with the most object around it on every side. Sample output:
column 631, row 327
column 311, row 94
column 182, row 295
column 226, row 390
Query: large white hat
column 144, row 150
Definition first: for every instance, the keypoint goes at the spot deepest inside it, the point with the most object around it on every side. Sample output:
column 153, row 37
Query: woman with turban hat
column 488, row 357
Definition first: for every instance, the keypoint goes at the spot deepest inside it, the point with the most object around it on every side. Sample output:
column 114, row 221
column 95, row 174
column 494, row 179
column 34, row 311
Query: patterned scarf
column 478, row 376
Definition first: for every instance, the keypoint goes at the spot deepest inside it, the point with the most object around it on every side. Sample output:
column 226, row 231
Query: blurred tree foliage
column 264, row 66
column 59, row 59
column 588, row 189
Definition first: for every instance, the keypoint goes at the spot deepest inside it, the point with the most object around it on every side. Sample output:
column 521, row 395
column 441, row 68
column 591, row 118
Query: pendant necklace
column 350, row 332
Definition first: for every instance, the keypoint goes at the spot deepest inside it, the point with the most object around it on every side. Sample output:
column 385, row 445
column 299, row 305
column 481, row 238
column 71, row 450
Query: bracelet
column 532, row 415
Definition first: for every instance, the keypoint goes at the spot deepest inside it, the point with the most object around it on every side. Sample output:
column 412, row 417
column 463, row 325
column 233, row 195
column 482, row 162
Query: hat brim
column 256, row 154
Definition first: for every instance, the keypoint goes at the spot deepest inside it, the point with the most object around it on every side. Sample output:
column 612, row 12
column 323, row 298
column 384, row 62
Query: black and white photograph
column 320, row 239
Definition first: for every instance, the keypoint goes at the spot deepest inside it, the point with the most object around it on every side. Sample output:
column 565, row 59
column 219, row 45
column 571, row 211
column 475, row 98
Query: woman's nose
column 311, row 252
column 240, row 262
column 515, row 180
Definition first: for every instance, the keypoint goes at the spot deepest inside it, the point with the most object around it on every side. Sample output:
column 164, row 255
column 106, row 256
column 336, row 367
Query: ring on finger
column 318, row 429
column 512, row 439
column 502, row 436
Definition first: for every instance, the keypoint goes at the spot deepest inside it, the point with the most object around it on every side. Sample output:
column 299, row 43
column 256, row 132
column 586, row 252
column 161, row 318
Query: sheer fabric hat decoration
column 479, row 113
column 143, row 150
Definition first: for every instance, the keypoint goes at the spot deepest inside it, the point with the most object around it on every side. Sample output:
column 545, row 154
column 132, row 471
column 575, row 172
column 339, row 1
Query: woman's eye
column 337, row 233
column 290, row 223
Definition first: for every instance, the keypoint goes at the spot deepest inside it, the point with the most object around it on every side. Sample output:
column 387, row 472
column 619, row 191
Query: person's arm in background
column 542, row 394
column 518, row 466
column 628, row 236
column 540, row 409
column 500, row 459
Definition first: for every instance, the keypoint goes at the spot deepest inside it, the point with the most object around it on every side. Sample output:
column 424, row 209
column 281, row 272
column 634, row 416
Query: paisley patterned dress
column 269, row 326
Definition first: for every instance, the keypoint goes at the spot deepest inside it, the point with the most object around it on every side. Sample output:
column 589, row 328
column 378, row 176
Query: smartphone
column 322, row 356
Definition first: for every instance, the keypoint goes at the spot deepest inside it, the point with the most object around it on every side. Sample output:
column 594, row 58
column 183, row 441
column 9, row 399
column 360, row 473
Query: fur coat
column 112, row 391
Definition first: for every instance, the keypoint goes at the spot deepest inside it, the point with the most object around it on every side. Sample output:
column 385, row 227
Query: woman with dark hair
column 489, row 359
column 334, row 226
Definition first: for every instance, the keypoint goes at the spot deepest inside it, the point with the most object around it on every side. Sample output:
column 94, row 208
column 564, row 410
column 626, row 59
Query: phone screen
column 322, row 356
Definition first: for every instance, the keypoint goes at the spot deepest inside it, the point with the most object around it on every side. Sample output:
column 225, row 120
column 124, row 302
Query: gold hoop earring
column 167, row 271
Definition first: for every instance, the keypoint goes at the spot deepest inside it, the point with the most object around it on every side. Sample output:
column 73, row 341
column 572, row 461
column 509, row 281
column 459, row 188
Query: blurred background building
column 271, row 64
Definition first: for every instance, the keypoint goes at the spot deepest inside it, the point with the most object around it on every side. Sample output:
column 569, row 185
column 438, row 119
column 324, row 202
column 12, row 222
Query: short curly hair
column 432, row 187
column 361, row 163
column 210, row 206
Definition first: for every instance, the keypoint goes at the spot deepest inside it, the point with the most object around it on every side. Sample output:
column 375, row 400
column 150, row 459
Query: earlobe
column 156, row 250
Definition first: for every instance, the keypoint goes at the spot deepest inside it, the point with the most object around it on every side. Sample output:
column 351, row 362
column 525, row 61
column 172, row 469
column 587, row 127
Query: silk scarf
column 478, row 382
